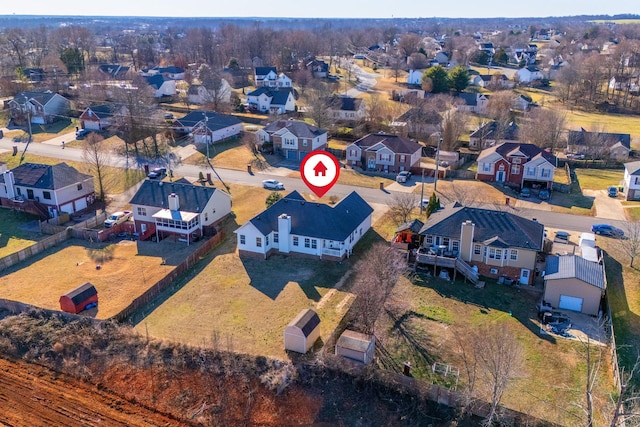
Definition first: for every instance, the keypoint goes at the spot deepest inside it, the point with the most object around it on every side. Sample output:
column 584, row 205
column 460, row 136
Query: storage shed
column 302, row 332
column 77, row 299
column 357, row 346
column 574, row 283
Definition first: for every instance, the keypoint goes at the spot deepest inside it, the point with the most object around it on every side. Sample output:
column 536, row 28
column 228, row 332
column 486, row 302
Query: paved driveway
column 606, row 207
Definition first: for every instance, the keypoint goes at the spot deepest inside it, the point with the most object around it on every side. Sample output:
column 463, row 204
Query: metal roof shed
column 357, row 346
column 302, row 332
column 77, row 299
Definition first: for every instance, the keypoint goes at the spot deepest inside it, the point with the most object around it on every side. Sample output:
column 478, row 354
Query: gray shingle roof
column 215, row 121
column 102, row 111
column 299, row 129
column 157, row 80
column 581, row 137
column 316, row 220
column 306, row 320
column 192, row 198
column 46, row 177
column 415, row 226
column 491, row 131
column 572, row 266
column 496, row 228
column 633, row 167
column 344, row 103
column 40, row 97
column 395, row 143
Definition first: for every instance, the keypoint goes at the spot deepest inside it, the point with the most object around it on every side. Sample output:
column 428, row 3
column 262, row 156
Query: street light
column 435, row 180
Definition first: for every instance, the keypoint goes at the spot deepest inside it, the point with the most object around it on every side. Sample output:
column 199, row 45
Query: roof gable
column 573, row 266
column 192, row 198
column 47, row 177
column 395, row 143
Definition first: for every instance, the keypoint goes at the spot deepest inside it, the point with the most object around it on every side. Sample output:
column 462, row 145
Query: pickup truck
column 117, row 218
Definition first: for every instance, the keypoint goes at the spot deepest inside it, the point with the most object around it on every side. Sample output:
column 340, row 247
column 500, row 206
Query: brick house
column 384, row 153
column 292, row 139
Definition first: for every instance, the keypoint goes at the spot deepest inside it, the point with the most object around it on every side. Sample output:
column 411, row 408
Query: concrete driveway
column 606, row 207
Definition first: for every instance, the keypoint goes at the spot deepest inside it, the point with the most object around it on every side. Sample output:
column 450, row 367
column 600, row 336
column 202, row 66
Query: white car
column 403, row 176
column 272, row 184
column 117, row 218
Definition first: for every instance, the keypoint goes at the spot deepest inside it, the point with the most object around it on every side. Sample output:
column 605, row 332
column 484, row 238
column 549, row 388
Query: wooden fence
column 166, row 282
column 34, row 249
column 16, row 307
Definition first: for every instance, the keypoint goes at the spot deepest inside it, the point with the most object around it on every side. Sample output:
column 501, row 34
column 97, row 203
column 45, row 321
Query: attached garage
column 292, row 155
column 356, row 346
column 79, row 298
column 574, row 283
column 568, row 302
column 81, row 204
column 302, row 332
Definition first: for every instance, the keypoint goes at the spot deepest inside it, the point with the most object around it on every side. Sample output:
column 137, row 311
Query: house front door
column 500, row 175
column 524, row 276
column 371, row 164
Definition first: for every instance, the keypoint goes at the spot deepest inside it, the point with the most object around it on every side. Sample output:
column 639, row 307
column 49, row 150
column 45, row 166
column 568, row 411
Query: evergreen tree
column 459, row 78
column 439, row 79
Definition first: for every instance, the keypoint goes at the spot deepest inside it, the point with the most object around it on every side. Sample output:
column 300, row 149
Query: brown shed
column 77, row 299
column 302, row 332
column 357, row 346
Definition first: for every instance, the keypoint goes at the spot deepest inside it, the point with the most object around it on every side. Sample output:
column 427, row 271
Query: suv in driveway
column 403, row 176
column 157, row 173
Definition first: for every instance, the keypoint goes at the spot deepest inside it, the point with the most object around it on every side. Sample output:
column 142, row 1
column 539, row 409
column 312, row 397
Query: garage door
column 303, row 154
column 570, row 303
column 292, row 155
column 81, row 204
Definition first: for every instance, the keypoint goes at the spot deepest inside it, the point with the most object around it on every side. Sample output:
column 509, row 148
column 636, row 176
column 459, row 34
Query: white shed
column 302, row 332
column 357, row 346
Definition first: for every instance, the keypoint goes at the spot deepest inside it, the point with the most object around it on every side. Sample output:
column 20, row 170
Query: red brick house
column 517, row 165
column 384, row 153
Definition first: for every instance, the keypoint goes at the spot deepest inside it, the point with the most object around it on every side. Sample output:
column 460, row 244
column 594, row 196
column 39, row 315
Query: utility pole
column 422, row 194
column 435, row 179
column 206, row 133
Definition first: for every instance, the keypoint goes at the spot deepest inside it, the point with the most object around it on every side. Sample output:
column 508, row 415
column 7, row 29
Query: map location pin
column 320, row 171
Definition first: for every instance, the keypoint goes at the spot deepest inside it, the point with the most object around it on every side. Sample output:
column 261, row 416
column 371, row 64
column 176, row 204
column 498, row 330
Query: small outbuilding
column 79, row 298
column 302, row 332
column 574, row 283
column 357, row 346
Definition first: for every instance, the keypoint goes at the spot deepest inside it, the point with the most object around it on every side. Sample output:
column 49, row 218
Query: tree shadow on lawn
column 271, row 276
column 517, row 302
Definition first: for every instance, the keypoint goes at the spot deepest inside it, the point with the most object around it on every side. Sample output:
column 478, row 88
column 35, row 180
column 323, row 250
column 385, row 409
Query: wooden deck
column 457, row 264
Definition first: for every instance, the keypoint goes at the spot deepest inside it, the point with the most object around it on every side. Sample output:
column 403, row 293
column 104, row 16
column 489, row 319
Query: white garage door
column 81, row 204
column 89, row 125
column 570, row 303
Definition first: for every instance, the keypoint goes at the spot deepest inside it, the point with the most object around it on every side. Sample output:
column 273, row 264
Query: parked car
column 607, row 230
column 555, row 318
column 272, row 184
column 525, row 192
column 403, row 176
column 544, row 194
column 82, row 133
column 117, row 218
column 612, row 191
column 157, row 173
column 425, row 203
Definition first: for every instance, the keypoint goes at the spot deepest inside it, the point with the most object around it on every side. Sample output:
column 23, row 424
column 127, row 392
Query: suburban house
column 442, row 58
column 498, row 81
column 208, row 126
column 497, row 243
column 415, row 77
column 319, row 68
column 178, row 209
column 269, row 77
column 487, row 47
column 522, row 102
column 173, row 72
column 46, row 190
column 114, row 71
column 97, row 117
column 274, row 101
column 162, row 85
column 198, row 94
column 472, row 102
column 39, row 107
column 529, row 74
column 34, row 75
column 296, row 226
column 292, row 139
column 345, row 108
column 630, row 83
column 385, row 153
column 632, row 180
column 518, row 165
column 492, row 133
column 574, row 283
column 599, row 144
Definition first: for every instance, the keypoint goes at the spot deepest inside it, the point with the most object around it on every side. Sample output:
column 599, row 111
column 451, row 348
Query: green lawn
column 13, row 234
column 598, row 179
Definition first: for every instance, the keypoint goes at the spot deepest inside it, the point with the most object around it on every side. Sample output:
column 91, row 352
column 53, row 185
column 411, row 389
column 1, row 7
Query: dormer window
column 516, row 160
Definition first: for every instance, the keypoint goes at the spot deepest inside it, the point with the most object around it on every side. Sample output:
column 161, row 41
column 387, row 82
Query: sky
column 323, row 8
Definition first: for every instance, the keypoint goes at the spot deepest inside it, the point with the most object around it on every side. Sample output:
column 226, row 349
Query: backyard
column 18, row 230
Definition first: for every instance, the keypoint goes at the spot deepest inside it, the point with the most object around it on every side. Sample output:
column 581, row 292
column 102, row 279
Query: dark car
column 82, row 133
column 157, row 173
column 525, row 192
column 607, row 230
column 544, row 194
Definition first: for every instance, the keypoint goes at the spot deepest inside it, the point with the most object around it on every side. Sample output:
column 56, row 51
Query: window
column 143, row 212
column 305, row 143
column 445, row 241
column 515, row 169
column 18, row 191
column 531, row 171
column 545, row 173
column 46, row 195
column 516, row 160
column 266, row 241
column 486, row 167
column 259, row 242
column 295, row 240
column 498, row 253
column 455, row 245
column 402, row 158
column 79, row 187
column 29, row 193
column 501, row 167
column 514, row 254
column 492, row 253
column 314, row 244
column 476, row 249
column 429, row 240
column 307, row 242
column 243, row 239
column 276, row 238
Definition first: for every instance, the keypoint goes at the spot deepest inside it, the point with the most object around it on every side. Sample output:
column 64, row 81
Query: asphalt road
column 577, row 223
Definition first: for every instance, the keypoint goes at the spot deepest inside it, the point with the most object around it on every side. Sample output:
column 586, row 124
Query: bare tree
column 96, row 154
column 464, row 194
column 500, row 358
column 627, row 404
column 401, row 207
column 544, row 127
column 217, row 89
column 631, row 243
column 319, row 100
column 375, row 276
column 452, row 126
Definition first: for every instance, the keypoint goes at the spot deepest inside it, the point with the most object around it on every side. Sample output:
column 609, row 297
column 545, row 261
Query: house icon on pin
column 320, row 169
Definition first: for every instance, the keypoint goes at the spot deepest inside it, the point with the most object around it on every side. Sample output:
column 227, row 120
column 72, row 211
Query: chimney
column 174, row 202
column 284, row 232
column 9, row 183
column 467, row 231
